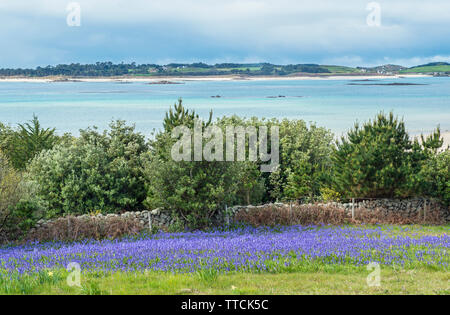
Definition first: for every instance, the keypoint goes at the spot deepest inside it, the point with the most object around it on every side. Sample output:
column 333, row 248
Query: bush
column 27, row 141
column 305, row 160
column 329, row 194
column 191, row 191
column 20, row 209
column 379, row 159
column 97, row 172
column 435, row 175
column 10, row 195
column 23, row 217
column 194, row 191
column 252, row 183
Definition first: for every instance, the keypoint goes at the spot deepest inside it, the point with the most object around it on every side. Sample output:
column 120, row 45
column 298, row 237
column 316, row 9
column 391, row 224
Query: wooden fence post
column 290, row 210
column 353, row 208
column 150, row 225
column 68, row 227
column 424, row 209
column 227, row 217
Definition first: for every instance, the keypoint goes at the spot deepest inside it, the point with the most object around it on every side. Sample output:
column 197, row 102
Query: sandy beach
column 206, row 78
column 446, row 136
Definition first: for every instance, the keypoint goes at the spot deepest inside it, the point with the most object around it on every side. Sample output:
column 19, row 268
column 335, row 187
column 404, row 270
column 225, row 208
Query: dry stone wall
column 408, row 207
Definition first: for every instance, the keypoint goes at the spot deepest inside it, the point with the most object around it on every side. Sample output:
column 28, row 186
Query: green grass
column 240, row 68
column 428, row 69
column 337, row 281
column 406, row 230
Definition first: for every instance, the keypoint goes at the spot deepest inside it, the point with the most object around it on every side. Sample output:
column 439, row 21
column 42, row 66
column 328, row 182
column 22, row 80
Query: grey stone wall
column 150, row 219
column 408, row 207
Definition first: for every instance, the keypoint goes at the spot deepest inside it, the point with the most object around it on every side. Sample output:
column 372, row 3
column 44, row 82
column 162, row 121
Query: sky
column 351, row 32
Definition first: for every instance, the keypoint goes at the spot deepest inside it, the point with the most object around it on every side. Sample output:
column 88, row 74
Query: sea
column 423, row 103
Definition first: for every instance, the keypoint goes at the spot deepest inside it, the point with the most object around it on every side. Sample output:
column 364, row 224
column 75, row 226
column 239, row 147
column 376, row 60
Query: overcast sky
column 35, row 32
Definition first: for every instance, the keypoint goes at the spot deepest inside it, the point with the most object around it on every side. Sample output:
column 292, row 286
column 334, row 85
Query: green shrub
column 329, row 194
column 10, row 194
column 379, row 159
column 305, row 160
column 97, row 172
column 436, row 177
column 24, row 215
column 21, row 145
column 192, row 191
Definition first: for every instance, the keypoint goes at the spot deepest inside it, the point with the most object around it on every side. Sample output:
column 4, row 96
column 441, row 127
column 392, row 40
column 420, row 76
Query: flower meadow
column 244, row 249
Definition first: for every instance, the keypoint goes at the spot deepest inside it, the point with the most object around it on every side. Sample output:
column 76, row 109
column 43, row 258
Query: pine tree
column 23, row 144
column 377, row 159
column 180, row 116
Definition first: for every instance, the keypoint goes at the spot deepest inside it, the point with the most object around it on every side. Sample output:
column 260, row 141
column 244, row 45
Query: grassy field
column 288, row 275
column 428, row 69
column 326, row 281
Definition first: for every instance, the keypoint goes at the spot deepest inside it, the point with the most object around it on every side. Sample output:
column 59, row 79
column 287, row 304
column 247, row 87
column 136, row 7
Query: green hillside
column 109, row 69
column 429, row 68
column 340, row 69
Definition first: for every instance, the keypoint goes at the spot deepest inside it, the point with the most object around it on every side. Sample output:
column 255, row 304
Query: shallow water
column 335, row 104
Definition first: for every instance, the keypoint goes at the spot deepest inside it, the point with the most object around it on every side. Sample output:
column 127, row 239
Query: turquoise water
column 69, row 106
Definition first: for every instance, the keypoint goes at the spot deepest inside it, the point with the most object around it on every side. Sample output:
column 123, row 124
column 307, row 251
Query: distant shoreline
column 171, row 79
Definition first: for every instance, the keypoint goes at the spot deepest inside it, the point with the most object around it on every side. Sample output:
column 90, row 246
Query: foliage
column 305, row 164
column 117, row 170
column 252, row 183
column 20, row 208
column 377, row 159
column 329, row 194
column 109, row 69
column 10, row 194
column 24, row 143
column 179, row 116
column 195, row 191
column 436, row 177
column 23, row 217
column 191, row 191
column 97, row 172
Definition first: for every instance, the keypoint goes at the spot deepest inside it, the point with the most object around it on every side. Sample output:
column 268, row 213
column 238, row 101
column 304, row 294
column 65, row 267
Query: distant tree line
column 87, row 70
column 108, row 69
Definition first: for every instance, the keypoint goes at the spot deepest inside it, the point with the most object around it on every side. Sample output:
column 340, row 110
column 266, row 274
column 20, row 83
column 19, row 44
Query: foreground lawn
column 289, row 260
column 392, row 281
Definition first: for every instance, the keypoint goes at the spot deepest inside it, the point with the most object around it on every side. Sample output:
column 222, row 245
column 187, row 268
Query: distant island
column 109, row 69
